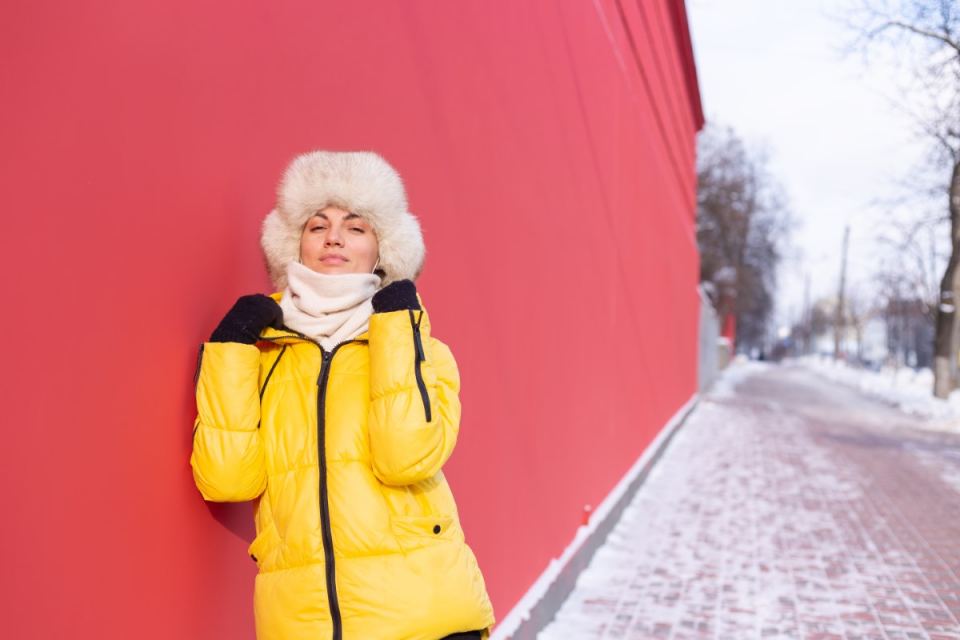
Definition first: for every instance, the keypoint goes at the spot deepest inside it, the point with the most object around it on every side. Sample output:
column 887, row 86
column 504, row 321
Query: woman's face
column 337, row 241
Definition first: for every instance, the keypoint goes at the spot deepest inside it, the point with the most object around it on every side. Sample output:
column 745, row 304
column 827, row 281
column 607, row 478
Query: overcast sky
column 773, row 70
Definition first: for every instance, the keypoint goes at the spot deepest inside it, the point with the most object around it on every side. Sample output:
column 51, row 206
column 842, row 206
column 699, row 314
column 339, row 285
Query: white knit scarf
column 329, row 308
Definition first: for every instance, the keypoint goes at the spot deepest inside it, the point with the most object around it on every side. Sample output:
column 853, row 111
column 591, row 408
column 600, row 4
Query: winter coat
column 357, row 531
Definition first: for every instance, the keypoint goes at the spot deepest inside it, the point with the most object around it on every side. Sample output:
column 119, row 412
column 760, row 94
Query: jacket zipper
column 326, row 532
column 266, row 381
column 420, row 356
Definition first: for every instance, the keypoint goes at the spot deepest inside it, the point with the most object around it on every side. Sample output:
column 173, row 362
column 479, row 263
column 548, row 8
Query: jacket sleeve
column 414, row 403
column 227, row 459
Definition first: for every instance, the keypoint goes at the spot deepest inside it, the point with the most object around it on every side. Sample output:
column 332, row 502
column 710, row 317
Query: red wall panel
column 548, row 150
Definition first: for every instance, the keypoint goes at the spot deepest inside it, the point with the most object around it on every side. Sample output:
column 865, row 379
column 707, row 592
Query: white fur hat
column 357, row 181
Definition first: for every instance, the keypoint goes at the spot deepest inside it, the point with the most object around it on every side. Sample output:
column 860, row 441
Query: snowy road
column 786, row 507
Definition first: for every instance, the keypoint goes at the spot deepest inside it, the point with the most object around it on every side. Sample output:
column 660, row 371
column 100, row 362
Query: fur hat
column 357, row 181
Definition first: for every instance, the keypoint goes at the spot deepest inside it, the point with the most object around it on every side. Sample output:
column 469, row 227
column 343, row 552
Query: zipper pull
column 325, row 361
column 417, row 341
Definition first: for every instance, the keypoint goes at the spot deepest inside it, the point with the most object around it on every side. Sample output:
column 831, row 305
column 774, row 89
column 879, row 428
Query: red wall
column 548, row 155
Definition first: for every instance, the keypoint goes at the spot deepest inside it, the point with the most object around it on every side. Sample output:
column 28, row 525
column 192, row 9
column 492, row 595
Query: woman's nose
column 333, row 238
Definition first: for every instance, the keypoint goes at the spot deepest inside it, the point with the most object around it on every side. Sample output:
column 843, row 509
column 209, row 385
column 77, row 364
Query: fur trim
column 359, row 181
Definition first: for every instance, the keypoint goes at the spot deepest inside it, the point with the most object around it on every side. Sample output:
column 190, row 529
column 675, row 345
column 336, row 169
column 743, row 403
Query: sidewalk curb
column 540, row 604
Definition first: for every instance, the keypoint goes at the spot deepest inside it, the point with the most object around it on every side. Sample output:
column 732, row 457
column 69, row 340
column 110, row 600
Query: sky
column 775, row 72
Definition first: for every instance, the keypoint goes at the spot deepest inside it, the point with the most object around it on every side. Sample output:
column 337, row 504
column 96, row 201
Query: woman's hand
column 396, row 296
column 247, row 318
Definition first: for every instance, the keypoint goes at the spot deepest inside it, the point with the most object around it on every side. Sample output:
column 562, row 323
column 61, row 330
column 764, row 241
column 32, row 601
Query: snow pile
column 736, row 372
column 908, row 390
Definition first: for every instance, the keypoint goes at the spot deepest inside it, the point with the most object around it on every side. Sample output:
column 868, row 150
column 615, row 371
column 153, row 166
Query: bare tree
column 742, row 226
column 908, row 289
column 926, row 34
column 912, row 258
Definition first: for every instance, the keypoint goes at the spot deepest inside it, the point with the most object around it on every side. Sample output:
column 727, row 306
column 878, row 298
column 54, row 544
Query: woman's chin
column 333, row 269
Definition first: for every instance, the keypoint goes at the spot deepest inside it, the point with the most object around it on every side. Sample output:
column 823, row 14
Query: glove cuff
column 396, row 296
column 233, row 334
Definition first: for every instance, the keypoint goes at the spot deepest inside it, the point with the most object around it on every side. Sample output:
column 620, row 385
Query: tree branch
column 926, row 33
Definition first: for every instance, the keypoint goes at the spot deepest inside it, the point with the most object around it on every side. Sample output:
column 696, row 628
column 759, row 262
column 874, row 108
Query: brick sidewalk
column 788, row 508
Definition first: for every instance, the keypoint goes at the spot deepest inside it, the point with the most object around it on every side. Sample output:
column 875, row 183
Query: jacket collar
column 287, row 335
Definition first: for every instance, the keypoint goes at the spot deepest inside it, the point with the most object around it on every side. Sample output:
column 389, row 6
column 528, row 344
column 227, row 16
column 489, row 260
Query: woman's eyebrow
column 349, row 216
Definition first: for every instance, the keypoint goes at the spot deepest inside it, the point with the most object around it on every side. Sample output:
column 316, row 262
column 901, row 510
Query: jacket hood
column 361, row 182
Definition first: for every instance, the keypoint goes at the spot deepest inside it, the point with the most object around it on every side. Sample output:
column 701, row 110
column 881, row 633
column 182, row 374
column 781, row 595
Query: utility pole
column 838, row 324
column 807, row 319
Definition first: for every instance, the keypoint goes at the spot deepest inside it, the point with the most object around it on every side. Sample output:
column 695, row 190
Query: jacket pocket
column 415, row 532
column 263, row 549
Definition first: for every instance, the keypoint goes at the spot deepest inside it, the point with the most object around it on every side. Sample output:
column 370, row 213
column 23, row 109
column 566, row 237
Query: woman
column 331, row 405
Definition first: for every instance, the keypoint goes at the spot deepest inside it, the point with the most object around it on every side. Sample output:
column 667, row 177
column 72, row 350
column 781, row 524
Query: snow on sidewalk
column 775, row 513
column 910, row 391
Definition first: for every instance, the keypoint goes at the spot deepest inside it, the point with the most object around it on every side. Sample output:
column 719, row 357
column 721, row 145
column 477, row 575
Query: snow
column 739, row 370
column 934, row 462
column 909, row 390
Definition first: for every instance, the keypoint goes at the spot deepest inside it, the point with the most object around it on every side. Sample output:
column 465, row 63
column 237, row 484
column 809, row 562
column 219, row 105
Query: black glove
column 396, row 296
column 247, row 318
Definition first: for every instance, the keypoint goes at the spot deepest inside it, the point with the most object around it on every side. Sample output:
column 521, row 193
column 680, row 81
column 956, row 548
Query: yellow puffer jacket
column 357, row 532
